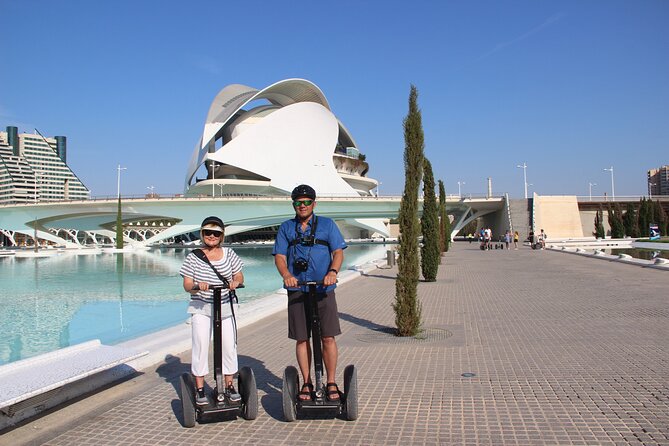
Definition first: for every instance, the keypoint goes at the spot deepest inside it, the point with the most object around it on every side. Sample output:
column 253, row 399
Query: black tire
column 351, row 393
column 289, row 393
column 187, row 401
column 246, row 383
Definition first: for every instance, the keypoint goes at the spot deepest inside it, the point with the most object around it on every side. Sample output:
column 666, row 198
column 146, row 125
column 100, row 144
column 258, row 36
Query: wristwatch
column 334, row 270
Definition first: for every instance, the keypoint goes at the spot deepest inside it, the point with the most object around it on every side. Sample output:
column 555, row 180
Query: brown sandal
column 333, row 395
column 305, row 393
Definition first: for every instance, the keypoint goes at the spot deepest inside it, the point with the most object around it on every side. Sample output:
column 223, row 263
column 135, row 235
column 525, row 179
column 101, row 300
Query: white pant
column 201, row 328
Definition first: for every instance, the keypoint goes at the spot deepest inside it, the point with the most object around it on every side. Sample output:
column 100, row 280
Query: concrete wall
column 558, row 216
column 588, row 223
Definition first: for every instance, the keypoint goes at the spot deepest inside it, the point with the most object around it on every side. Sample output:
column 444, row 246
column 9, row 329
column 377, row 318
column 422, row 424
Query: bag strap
column 202, row 256
column 231, row 293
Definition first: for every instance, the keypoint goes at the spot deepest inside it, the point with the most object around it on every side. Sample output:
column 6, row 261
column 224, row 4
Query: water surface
column 53, row 302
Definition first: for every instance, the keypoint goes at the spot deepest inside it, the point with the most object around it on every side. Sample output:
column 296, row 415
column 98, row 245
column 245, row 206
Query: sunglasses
column 208, row 232
column 296, row 203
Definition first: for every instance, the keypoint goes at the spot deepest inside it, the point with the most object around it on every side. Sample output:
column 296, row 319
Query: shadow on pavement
column 364, row 323
column 269, row 383
column 170, row 371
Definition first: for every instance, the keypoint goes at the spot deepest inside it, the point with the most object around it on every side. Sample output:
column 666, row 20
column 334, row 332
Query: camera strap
column 298, row 240
column 231, row 293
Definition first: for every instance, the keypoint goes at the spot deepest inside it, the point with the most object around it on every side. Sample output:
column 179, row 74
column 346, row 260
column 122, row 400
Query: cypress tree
column 618, row 228
column 444, row 221
column 660, row 218
column 636, row 232
column 406, row 306
column 610, row 218
column 629, row 221
column 430, row 252
column 599, row 226
column 642, row 218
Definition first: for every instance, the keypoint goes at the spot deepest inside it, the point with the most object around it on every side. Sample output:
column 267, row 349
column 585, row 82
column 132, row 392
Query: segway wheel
column 187, row 401
column 289, row 391
column 249, row 391
column 351, row 393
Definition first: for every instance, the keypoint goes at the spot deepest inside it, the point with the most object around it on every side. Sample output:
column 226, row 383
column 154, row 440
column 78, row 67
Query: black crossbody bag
column 231, row 293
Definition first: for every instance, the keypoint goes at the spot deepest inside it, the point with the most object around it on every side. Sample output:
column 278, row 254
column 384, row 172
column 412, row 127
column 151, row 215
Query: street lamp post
column 119, row 219
column 118, row 180
column 459, row 191
column 151, row 195
column 613, row 188
column 524, row 167
column 590, row 189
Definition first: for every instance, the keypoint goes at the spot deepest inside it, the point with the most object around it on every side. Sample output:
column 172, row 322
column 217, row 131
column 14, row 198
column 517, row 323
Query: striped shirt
column 199, row 271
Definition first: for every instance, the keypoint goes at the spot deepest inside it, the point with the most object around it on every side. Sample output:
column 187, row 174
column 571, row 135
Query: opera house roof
column 265, row 142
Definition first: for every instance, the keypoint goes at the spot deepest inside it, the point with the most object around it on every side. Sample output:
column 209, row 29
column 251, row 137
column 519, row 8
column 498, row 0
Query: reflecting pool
column 53, row 302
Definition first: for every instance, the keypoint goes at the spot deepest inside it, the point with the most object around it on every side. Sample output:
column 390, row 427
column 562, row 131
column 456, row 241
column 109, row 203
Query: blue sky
column 569, row 87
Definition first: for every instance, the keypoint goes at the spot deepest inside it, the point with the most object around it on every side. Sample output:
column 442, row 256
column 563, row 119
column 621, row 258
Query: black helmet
column 303, row 190
column 215, row 221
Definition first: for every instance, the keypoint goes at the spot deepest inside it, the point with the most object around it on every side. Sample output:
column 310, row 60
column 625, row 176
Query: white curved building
column 265, row 142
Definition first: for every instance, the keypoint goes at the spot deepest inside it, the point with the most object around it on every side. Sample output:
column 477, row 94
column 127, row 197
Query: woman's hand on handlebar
column 204, row 286
column 233, row 285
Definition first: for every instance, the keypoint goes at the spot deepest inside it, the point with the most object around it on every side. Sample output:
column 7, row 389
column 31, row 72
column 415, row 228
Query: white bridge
column 74, row 223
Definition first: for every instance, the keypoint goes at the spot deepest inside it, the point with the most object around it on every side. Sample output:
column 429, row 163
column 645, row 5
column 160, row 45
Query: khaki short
column 297, row 316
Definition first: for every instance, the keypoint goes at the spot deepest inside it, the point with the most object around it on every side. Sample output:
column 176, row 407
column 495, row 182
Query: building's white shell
column 265, row 142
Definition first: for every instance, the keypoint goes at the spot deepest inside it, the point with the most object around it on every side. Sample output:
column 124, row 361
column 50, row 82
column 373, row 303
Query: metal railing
column 203, row 197
column 618, row 198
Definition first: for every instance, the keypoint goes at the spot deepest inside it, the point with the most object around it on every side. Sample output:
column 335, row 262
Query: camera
column 300, row 265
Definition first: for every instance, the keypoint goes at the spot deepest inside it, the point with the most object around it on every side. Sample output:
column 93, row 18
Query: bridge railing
column 155, row 196
column 619, row 198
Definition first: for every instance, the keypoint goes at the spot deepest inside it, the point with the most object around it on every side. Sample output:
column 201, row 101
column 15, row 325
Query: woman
column 516, row 236
column 199, row 277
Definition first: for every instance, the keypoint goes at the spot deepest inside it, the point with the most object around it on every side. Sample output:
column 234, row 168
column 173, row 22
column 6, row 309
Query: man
column 311, row 248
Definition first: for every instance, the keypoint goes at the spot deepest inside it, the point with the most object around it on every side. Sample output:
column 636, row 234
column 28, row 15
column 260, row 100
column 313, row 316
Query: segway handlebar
column 224, row 287
column 309, row 282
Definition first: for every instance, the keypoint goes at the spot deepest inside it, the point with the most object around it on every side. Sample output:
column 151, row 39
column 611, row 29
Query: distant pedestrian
column 516, row 236
column 542, row 239
column 507, row 238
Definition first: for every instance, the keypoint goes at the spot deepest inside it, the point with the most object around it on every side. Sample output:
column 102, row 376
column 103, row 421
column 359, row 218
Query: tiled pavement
column 564, row 350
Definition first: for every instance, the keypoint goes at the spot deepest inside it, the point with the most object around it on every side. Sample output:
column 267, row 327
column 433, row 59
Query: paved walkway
column 563, row 350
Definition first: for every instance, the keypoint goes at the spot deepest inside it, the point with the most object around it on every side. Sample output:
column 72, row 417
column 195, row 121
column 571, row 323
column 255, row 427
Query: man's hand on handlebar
column 330, row 278
column 290, row 281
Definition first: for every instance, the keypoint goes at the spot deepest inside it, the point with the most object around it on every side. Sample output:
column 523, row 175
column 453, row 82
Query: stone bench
column 33, row 381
